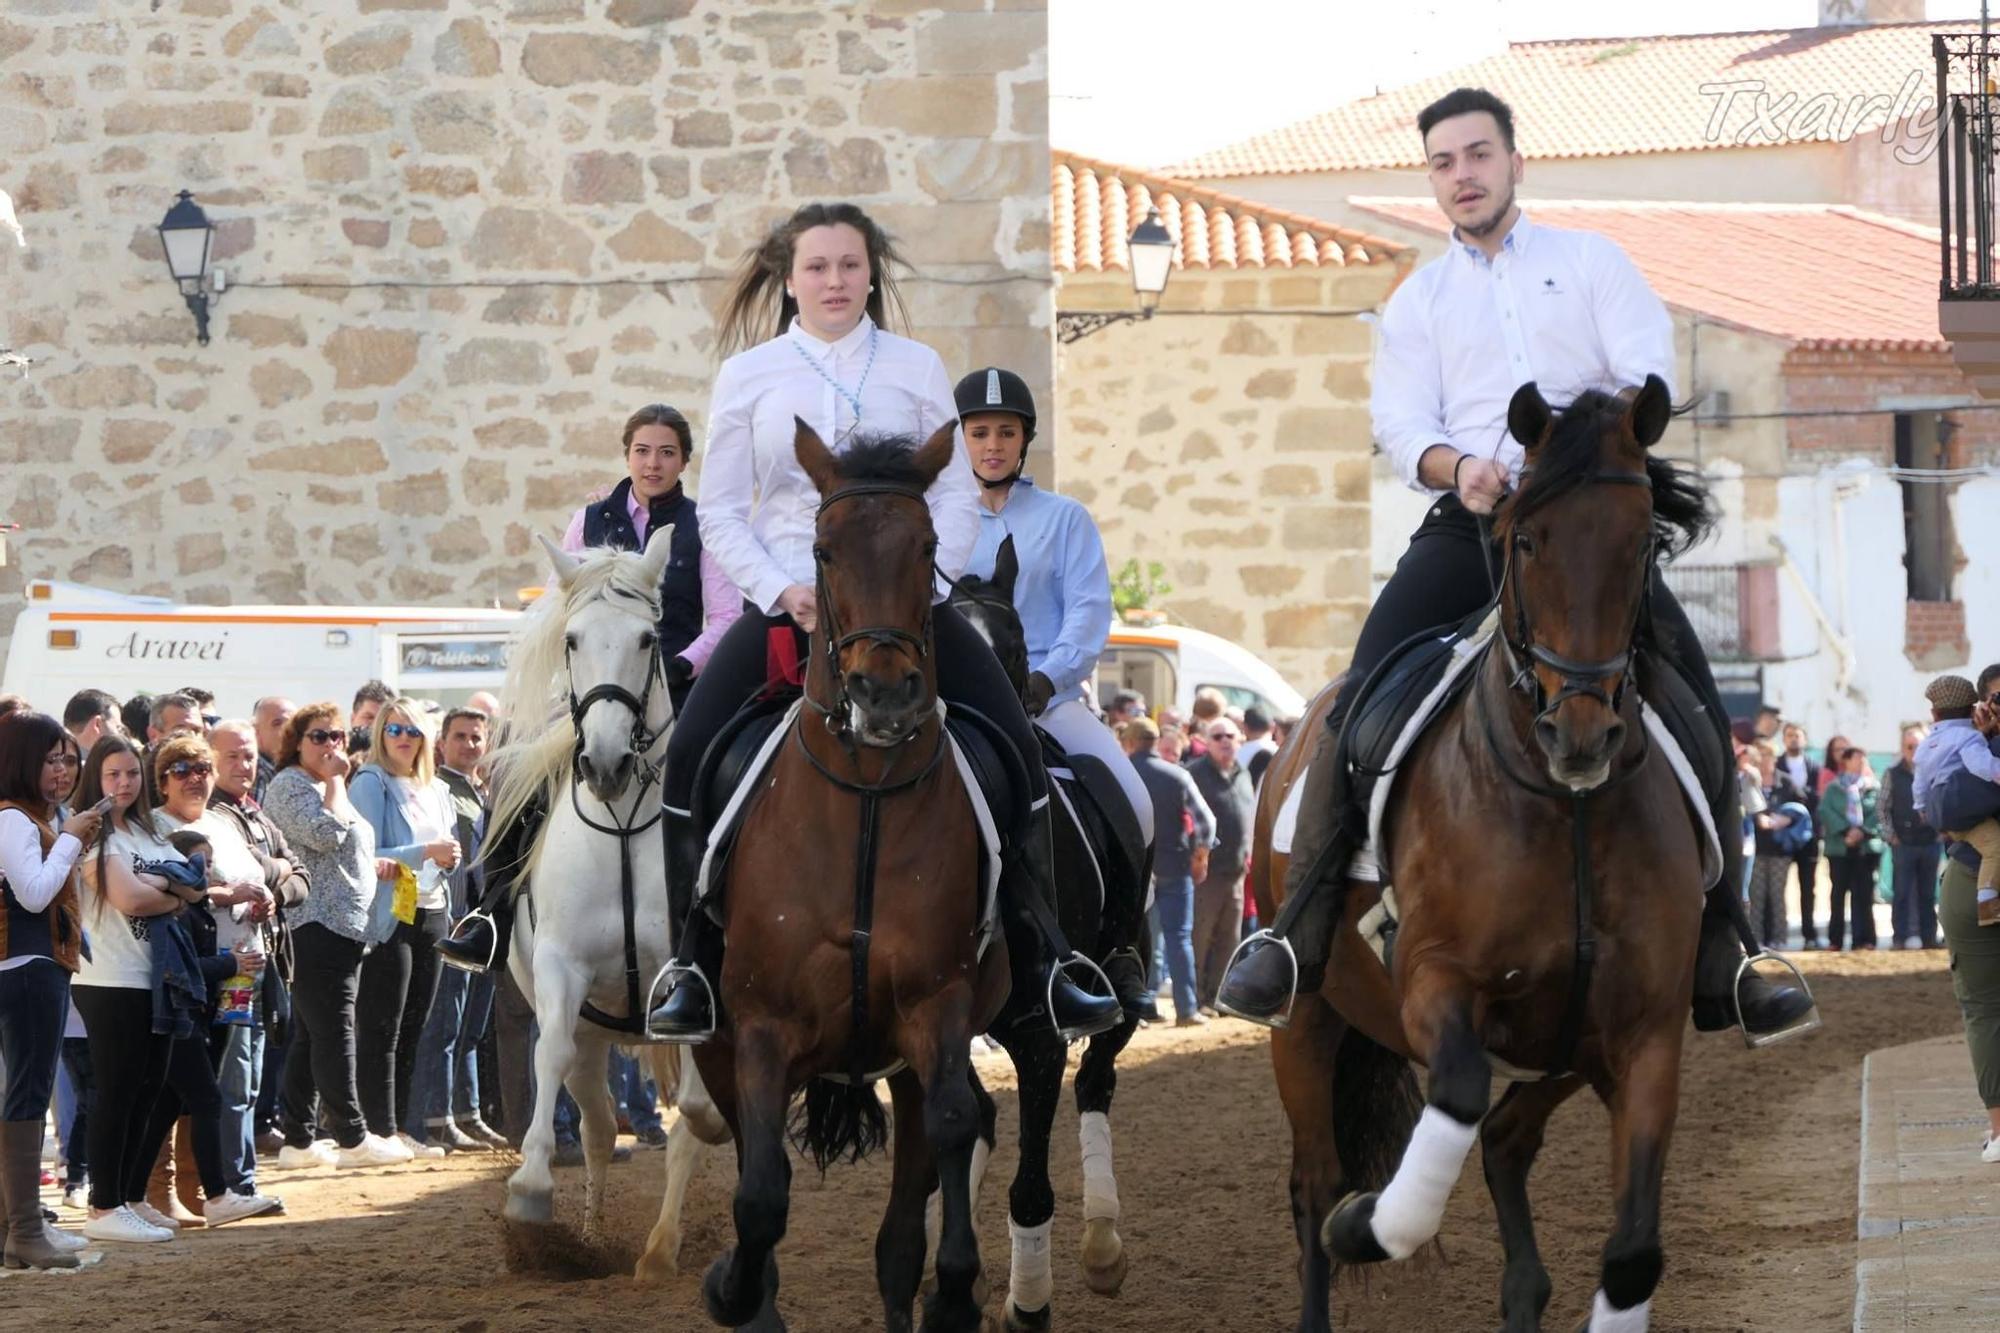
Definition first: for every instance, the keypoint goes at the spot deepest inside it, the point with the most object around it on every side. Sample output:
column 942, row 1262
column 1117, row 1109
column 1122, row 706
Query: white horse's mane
column 541, row 746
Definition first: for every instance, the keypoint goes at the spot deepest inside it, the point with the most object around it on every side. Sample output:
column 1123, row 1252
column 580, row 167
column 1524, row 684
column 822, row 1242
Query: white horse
column 589, row 655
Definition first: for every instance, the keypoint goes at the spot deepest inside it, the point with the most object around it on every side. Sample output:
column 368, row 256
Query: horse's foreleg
column 557, row 995
column 1039, row 1059
column 1103, row 1251
column 1509, row 1140
column 1302, row 1056
column 1643, row 1105
column 661, row 1259
column 587, row 1083
column 1395, row 1224
column 742, row 1283
column 939, row 1050
column 900, row 1245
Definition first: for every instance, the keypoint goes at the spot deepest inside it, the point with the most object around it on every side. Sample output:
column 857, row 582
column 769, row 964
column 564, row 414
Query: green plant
column 1133, row 588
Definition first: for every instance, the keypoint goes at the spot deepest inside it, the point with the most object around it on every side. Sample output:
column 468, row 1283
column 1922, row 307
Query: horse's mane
column 541, row 743
column 882, row 458
column 1682, row 513
column 1012, row 650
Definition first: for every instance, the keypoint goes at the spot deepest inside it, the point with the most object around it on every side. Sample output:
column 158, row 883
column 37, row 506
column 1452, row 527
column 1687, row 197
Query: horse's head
column 611, row 647
column 1579, row 540
column 988, row 606
column 873, row 552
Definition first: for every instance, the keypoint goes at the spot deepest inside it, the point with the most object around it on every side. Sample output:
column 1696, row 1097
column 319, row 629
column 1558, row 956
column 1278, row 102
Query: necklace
column 854, row 398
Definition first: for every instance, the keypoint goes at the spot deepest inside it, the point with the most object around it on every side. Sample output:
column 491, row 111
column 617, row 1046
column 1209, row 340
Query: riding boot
column 1766, row 1007
column 1123, row 967
column 1036, row 949
column 27, row 1244
column 478, row 943
column 1291, row 958
column 687, row 1015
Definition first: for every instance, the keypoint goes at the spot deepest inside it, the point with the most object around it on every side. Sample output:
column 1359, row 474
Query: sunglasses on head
column 396, row 729
column 183, row 769
column 321, row 736
column 210, row 719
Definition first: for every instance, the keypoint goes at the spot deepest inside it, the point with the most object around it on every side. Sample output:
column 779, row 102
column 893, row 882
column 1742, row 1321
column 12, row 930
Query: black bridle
column 1580, row 679
column 835, row 714
column 626, row 827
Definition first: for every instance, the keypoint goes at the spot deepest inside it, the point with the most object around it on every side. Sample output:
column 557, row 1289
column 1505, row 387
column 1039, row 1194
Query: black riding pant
column 967, row 673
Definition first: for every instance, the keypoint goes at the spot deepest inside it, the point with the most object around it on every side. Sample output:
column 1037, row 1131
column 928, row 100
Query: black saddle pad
column 729, row 755
column 1388, row 699
column 1663, row 683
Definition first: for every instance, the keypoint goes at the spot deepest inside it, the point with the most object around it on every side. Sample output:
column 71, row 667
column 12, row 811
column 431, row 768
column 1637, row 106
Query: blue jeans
column 240, row 1076
column 445, row 1082
column 1915, row 908
column 1174, row 900
column 633, row 1092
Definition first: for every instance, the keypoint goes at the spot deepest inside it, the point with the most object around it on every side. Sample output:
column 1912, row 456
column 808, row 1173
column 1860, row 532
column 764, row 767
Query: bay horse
column 1039, row 1056
column 851, row 904
column 1548, row 878
column 595, row 911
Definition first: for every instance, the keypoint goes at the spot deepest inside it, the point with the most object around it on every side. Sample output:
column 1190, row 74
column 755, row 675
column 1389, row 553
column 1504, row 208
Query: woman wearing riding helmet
column 697, row 604
column 1062, row 595
column 816, row 290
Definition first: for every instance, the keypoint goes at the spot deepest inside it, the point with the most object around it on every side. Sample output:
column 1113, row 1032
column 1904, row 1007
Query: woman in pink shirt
column 697, row 604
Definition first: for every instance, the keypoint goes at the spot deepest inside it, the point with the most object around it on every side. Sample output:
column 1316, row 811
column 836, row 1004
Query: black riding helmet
column 997, row 390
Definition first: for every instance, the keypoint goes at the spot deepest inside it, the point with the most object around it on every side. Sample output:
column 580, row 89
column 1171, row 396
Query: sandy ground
column 1759, row 1226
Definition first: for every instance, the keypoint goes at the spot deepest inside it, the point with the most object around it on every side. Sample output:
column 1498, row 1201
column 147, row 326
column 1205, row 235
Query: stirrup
column 1807, row 1022
column 674, row 974
column 1281, row 1019
column 1049, row 999
column 462, row 965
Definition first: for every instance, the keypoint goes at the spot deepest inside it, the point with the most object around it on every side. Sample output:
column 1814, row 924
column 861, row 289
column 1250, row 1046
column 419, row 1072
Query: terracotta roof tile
column 1603, row 97
column 1820, row 275
column 1095, row 205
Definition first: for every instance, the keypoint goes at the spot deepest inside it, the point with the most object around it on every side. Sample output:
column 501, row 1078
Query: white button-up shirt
column 1565, row 309
column 758, row 506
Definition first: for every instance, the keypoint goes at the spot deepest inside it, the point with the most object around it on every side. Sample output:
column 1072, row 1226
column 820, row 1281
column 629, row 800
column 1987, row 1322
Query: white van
column 1168, row 663
column 71, row 637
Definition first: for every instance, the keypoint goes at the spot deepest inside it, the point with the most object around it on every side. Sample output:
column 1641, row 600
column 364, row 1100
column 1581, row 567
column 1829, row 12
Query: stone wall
column 1234, row 448
column 464, row 239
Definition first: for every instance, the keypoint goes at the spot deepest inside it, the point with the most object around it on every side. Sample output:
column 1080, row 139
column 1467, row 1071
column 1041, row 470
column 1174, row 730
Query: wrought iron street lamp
column 1151, row 251
column 185, row 234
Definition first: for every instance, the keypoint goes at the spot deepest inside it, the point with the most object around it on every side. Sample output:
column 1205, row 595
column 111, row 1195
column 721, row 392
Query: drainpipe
column 1843, row 651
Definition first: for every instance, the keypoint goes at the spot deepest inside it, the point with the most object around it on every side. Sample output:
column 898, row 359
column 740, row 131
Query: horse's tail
column 838, row 1121
column 1376, row 1103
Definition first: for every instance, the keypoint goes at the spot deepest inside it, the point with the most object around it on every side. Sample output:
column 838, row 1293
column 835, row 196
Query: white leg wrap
column 1100, row 1187
column 933, row 1223
column 982, row 1153
column 1032, row 1282
column 1408, row 1212
column 1604, row 1319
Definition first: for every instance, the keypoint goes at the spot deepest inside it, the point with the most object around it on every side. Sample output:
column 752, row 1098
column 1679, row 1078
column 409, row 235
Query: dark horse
column 1039, row 1055
column 853, row 912
column 1548, row 880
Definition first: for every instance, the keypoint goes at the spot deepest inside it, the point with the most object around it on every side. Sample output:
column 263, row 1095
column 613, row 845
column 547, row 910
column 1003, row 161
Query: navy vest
column 609, row 523
column 28, row 933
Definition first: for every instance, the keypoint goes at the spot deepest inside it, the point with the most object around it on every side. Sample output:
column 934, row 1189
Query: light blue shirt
column 1953, row 745
column 1063, row 594
column 1566, row 309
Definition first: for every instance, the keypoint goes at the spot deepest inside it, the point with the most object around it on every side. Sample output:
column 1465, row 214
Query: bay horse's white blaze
column 596, row 628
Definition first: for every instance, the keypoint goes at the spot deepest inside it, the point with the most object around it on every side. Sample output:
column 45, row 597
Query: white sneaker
column 234, row 1207
column 1991, row 1152
column 419, row 1151
column 318, row 1153
column 76, row 1196
column 394, row 1145
column 152, row 1216
column 372, row 1151
column 122, row 1224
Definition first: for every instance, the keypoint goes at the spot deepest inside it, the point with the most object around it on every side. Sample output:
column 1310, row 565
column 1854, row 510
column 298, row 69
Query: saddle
column 1389, row 700
column 988, row 762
